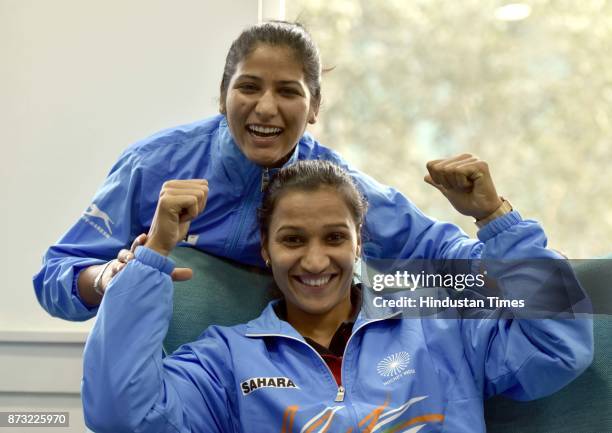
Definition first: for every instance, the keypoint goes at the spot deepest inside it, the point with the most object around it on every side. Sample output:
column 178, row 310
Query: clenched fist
column 180, row 201
column 466, row 182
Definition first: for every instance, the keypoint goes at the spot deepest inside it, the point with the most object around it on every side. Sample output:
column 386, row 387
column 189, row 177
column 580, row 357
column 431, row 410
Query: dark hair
column 276, row 33
column 310, row 176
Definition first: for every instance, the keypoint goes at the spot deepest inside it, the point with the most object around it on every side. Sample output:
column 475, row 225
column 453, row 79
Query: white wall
column 79, row 81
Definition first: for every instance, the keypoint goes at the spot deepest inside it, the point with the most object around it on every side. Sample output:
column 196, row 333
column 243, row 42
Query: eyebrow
column 286, row 82
column 256, row 78
column 327, row 226
column 248, row 77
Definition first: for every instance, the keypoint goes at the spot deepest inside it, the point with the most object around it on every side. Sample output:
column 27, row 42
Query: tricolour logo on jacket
column 254, row 383
column 383, row 418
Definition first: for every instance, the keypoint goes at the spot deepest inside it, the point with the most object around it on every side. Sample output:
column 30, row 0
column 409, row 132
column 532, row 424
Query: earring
column 267, row 263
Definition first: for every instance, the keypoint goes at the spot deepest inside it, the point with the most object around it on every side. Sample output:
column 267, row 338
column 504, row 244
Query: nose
column 315, row 259
column 267, row 106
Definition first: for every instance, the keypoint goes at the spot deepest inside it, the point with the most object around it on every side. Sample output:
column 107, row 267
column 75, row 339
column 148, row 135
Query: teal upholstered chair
column 220, row 293
column 225, row 293
column 585, row 405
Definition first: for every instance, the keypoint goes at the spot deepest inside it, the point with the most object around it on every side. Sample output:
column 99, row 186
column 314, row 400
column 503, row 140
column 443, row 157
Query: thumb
column 182, row 274
column 428, row 179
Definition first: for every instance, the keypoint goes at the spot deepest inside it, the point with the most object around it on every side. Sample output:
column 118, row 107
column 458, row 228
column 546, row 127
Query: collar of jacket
column 237, row 167
column 268, row 324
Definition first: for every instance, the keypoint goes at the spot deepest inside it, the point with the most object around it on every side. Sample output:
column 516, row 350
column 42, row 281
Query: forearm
column 539, row 347
column 122, row 359
column 85, row 285
column 55, row 287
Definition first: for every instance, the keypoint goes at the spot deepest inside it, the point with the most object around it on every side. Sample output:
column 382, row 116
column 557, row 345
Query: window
column 528, row 88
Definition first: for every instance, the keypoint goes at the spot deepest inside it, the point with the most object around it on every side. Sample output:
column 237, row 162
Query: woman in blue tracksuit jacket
column 270, row 91
column 270, row 375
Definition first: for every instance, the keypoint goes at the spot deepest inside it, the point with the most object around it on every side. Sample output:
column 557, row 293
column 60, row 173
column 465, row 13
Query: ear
column 222, row 108
column 313, row 113
column 358, row 252
column 264, row 250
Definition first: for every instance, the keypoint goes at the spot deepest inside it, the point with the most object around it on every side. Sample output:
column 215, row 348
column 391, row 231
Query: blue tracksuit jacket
column 412, row 375
column 124, row 207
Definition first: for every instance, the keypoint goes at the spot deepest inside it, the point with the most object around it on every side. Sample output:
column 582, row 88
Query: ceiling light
column 513, row 12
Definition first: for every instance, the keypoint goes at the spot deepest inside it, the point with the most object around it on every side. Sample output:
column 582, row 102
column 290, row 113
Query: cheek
column 300, row 112
column 235, row 104
column 282, row 263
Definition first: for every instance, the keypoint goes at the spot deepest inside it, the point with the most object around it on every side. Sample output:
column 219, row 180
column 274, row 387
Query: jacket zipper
column 341, row 391
column 340, row 395
column 243, row 214
column 265, row 179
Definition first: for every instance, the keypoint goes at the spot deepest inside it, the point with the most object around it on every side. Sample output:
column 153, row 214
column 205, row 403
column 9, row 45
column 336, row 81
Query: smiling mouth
column 315, row 281
column 260, row 131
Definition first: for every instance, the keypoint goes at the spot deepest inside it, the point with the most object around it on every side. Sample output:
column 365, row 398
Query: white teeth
column 264, row 129
column 315, row 282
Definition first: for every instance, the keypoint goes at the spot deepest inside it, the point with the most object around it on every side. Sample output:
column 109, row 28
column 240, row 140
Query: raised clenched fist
column 466, row 182
column 180, row 201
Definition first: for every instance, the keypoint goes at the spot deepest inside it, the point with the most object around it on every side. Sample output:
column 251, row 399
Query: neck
column 319, row 327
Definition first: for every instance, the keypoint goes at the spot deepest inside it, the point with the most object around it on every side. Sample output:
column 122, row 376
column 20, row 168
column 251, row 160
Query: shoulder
column 177, row 144
column 312, row 149
column 221, row 336
column 219, row 345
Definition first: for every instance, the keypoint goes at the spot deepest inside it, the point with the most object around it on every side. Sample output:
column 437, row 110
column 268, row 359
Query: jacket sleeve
column 127, row 386
column 110, row 223
column 396, row 229
column 521, row 356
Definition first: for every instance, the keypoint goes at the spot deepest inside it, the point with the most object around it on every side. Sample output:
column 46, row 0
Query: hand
column 180, row 201
column 467, row 184
column 124, row 256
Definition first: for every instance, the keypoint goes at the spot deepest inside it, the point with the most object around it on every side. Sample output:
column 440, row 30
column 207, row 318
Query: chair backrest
column 221, row 292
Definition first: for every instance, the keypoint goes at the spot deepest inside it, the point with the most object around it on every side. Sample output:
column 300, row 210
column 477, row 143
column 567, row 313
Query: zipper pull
column 265, row 179
column 340, row 395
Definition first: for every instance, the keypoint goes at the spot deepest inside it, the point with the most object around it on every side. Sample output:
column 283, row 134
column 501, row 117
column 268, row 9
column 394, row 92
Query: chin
column 262, row 160
column 315, row 308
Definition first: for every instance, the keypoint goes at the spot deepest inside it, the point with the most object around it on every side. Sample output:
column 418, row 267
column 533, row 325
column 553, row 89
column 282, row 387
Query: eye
column 247, row 87
column 289, row 91
column 336, row 238
column 292, row 240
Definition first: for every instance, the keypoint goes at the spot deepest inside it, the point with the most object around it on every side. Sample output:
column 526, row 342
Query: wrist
column 154, row 259
column 97, row 284
column 504, row 208
column 157, row 247
column 484, row 211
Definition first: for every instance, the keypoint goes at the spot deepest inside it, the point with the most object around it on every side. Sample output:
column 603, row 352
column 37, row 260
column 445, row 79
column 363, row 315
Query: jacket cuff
column 498, row 225
column 151, row 258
